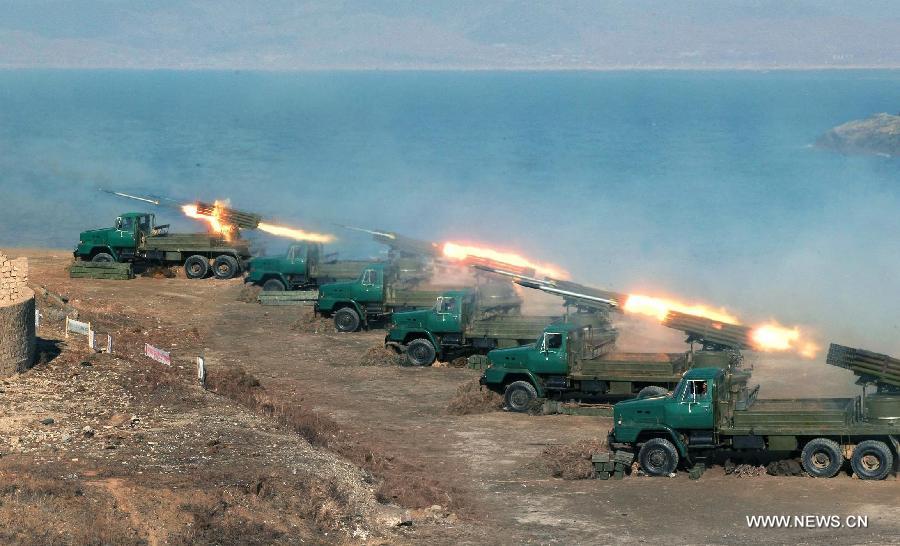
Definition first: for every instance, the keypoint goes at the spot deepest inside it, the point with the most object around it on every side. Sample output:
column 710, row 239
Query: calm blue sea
column 702, row 184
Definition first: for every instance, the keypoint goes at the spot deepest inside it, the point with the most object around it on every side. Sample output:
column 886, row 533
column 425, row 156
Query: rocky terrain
column 879, row 134
column 306, row 435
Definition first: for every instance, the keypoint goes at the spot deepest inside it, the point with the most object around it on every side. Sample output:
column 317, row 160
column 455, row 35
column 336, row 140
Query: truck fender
column 418, row 334
column 356, row 307
column 535, row 382
column 107, row 249
column 676, row 439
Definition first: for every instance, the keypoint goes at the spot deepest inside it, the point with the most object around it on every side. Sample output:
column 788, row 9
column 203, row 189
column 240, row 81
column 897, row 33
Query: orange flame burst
column 660, row 307
column 774, row 337
column 227, row 230
column 296, row 234
column 769, row 337
column 218, row 227
column 461, row 252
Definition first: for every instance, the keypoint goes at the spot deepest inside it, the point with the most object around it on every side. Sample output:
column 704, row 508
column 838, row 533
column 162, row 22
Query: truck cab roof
column 703, row 373
column 563, row 327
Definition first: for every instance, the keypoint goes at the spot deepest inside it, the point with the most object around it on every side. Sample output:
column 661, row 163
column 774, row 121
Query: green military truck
column 714, row 409
column 379, row 290
column 135, row 237
column 463, row 323
column 303, row 267
column 572, row 360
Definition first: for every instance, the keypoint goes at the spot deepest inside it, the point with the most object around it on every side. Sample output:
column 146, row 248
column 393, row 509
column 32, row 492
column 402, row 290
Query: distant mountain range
column 444, row 34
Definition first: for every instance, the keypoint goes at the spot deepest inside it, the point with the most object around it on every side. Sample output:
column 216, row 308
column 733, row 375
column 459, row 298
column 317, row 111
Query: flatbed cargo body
column 525, row 327
column 637, row 367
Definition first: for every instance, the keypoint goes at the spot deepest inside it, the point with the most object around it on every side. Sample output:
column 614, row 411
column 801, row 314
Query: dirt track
column 488, row 465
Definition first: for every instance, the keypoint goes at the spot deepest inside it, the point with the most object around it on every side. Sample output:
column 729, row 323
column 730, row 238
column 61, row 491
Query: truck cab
column 288, row 272
column 423, row 332
column 351, row 302
column 118, row 243
column 530, row 371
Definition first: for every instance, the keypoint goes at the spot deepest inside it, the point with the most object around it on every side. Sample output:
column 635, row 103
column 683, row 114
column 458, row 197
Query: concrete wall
column 17, row 334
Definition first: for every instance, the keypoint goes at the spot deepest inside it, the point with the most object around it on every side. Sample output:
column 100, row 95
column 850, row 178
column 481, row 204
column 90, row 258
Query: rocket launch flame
column 218, row 224
column 461, row 252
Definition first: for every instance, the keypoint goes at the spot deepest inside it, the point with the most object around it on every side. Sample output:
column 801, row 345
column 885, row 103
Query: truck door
column 124, row 234
column 296, row 260
column 692, row 406
column 371, row 285
column 448, row 313
column 550, row 356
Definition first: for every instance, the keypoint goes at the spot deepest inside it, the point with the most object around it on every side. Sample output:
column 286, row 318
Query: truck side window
column 368, row 277
column 447, row 305
column 127, row 224
column 144, row 223
column 696, row 390
column 552, row 341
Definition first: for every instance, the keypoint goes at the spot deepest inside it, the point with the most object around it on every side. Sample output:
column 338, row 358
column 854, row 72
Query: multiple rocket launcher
column 870, row 367
column 710, row 333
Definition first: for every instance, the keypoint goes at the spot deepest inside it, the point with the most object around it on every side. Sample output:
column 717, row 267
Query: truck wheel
column 872, row 460
column 273, row 285
column 420, row 352
column 225, row 267
column 518, row 396
column 196, row 267
column 658, row 457
column 822, row 458
column 346, row 319
column 102, row 258
column 652, row 390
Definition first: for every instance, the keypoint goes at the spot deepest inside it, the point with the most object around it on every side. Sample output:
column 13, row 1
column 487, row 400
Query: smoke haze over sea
column 701, row 185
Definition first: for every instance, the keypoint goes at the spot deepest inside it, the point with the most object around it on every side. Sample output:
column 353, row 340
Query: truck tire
column 518, row 396
column 346, row 319
column 273, row 285
column 102, row 258
column 225, row 267
column 420, row 352
column 658, row 457
column 822, row 458
column 872, row 460
column 652, row 390
column 196, row 267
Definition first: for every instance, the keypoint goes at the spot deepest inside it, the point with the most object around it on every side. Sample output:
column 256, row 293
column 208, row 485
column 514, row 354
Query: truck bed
column 422, row 299
column 509, row 327
column 666, row 367
column 796, row 416
column 192, row 242
column 341, row 271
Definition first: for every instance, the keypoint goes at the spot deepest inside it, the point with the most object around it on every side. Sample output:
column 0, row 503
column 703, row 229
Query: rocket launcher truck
column 383, row 289
column 306, row 266
column 467, row 323
column 715, row 409
column 569, row 361
column 135, row 237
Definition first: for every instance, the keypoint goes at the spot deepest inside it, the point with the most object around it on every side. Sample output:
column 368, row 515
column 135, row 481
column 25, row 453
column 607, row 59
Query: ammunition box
column 600, row 458
column 603, row 475
column 624, row 457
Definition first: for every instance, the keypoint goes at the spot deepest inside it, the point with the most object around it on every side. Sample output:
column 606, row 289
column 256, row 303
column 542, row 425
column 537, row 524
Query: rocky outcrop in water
column 879, row 134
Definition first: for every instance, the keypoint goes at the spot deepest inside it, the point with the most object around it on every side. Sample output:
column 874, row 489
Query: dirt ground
column 166, row 461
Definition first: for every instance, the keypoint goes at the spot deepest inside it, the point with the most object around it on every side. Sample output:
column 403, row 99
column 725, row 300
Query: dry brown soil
column 211, row 458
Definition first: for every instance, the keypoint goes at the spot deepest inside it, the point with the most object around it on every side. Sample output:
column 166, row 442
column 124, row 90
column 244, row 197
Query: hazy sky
column 282, row 34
